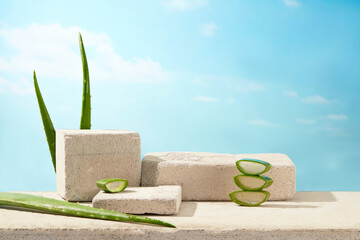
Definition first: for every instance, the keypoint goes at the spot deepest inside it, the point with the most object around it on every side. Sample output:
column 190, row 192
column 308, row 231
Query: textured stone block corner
column 86, row 156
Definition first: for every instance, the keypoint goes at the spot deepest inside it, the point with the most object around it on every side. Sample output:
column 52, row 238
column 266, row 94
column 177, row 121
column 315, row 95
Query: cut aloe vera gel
column 252, row 183
column 252, row 166
column 249, row 198
column 72, row 209
column 112, row 185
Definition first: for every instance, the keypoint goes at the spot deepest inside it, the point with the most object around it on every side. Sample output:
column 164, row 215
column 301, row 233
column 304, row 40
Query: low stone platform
column 309, row 215
column 163, row 200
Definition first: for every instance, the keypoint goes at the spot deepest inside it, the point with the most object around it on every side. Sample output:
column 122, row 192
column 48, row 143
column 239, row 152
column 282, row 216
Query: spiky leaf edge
column 50, row 205
column 85, row 122
column 48, row 126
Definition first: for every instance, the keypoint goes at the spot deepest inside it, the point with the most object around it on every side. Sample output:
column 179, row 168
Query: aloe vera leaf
column 250, row 166
column 252, row 183
column 249, row 198
column 48, row 126
column 50, row 205
column 85, row 122
column 112, row 185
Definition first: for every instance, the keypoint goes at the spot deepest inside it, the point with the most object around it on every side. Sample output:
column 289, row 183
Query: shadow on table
column 313, row 197
column 269, row 205
column 187, row 209
column 302, row 197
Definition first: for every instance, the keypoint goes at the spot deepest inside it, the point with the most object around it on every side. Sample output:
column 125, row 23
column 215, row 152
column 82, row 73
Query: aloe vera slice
column 112, row 185
column 252, row 183
column 48, row 126
column 252, row 166
column 72, row 209
column 249, row 198
column 85, row 122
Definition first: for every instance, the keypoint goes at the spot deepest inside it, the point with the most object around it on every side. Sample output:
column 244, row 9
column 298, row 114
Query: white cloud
column 52, row 50
column 20, row 87
column 183, row 5
column 262, row 123
column 309, row 99
column 316, row 99
column 334, row 131
column 291, row 3
column 306, row 121
column 291, row 94
column 205, row 99
column 208, row 29
column 336, row 117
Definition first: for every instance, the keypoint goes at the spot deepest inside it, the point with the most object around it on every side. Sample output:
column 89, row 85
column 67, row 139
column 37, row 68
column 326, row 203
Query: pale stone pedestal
column 209, row 176
column 86, row 156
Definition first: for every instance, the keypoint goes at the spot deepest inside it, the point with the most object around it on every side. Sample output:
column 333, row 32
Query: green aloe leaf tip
column 85, row 122
column 48, row 126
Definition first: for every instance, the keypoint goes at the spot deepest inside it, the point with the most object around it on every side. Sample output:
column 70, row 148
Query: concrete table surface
column 309, row 215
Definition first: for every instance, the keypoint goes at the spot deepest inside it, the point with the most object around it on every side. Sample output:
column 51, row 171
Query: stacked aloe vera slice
column 251, row 182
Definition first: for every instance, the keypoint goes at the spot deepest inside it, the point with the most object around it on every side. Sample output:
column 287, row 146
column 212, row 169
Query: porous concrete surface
column 309, row 215
column 86, row 156
column 210, row 176
column 163, row 200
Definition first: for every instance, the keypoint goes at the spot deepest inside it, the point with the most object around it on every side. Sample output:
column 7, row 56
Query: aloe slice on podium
column 249, row 198
column 50, row 205
column 252, row 183
column 250, row 166
column 112, row 185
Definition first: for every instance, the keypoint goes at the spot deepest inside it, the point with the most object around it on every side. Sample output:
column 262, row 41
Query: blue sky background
column 201, row 75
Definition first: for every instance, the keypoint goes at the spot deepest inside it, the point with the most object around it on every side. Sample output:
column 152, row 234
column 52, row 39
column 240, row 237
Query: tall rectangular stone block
column 209, row 176
column 86, row 156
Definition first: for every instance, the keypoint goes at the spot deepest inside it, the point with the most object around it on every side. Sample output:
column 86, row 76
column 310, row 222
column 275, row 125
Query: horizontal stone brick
column 209, row 176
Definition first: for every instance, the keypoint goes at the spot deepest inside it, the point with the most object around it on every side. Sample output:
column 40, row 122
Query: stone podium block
column 210, row 176
column 164, row 200
column 86, row 156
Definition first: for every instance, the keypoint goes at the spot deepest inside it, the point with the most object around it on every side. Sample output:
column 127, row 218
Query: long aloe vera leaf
column 71, row 209
column 85, row 122
column 112, row 185
column 48, row 126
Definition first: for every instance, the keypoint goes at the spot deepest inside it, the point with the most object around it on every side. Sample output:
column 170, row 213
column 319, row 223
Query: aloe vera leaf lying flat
column 85, row 122
column 48, row 126
column 112, row 185
column 72, row 209
column 249, row 198
column 252, row 166
column 252, row 183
